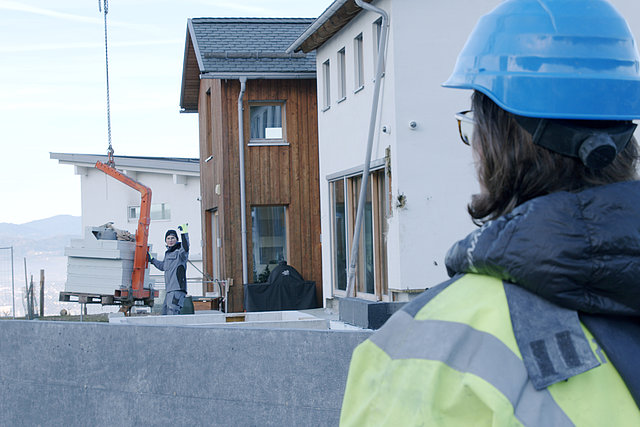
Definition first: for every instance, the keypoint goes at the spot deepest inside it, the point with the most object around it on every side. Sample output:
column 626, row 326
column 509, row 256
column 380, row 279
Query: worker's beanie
column 170, row 232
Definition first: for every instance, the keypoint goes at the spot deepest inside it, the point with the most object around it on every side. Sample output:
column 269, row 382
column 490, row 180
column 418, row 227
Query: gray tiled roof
column 249, row 45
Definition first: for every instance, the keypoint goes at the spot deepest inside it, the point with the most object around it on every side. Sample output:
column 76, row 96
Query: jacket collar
column 580, row 250
column 174, row 247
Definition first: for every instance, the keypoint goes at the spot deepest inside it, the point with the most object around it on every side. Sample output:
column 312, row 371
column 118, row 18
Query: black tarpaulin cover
column 285, row 290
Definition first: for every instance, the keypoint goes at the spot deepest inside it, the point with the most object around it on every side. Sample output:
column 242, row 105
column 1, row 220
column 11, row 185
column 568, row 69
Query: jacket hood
column 579, row 250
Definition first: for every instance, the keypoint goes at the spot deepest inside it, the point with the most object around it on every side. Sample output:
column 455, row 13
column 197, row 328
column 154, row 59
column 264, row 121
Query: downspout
column 353, row 257
column 243, row 210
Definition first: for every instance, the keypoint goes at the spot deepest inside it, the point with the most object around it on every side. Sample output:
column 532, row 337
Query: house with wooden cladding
column 258, row 148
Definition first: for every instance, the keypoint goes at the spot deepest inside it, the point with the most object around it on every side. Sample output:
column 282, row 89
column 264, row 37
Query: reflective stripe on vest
column 468, row 350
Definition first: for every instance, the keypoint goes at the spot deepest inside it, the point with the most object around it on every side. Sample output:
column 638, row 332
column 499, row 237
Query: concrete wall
column 78, row 374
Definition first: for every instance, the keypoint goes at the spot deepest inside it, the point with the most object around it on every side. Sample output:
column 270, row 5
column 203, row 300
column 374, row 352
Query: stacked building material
column 99, row 266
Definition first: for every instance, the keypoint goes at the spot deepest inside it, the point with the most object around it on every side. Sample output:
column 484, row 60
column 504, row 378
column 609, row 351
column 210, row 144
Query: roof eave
column 332, row 20
column 185, row 166
column 190, row 45
column 258, row 75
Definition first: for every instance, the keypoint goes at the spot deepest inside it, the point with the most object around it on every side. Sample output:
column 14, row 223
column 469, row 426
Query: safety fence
column 7, row 283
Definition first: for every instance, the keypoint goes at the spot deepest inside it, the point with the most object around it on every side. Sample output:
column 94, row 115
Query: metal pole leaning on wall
column 353, row 257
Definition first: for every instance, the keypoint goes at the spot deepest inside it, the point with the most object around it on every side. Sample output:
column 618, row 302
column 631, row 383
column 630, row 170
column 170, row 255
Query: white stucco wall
column 430, row 166
column 104, row 199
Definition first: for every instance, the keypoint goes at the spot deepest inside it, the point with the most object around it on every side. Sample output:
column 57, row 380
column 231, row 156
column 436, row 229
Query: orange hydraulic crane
column 140, row 263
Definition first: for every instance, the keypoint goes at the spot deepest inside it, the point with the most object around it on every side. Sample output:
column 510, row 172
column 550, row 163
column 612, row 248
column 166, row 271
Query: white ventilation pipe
column 353, row 257
column 243, row 210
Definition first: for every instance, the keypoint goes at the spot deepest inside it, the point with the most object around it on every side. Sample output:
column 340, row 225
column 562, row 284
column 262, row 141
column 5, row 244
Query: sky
column 53, row 88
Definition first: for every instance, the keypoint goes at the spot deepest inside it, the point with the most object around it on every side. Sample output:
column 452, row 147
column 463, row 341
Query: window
column 216, row 245
column 267, row 122
column 377, row 32
column 340, row 231
column 371, row 265
column 342, row 75
column 326, row 98
column 269, row 236
column 358, row 62
column 208, row 136
column 159, row 211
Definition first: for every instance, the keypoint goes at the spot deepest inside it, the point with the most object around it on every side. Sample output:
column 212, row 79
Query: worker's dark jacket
column 174, row 265
column 517, row 335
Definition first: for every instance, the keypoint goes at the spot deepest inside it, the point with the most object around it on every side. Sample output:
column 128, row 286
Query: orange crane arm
column 142, row 233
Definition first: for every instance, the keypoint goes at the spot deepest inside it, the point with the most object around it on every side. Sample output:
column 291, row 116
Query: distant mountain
column 59, row 225
column 37, row 245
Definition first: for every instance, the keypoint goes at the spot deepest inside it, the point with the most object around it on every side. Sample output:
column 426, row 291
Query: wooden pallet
column 84, row 298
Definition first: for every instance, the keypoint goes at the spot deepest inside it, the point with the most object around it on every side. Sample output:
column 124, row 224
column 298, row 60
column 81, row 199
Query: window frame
column 257, row 263
column 358, row 62
column 342, row 75
column 377, row 36
column 379, row 180
column 164, row 207
column 326, row 85
column 283, row 121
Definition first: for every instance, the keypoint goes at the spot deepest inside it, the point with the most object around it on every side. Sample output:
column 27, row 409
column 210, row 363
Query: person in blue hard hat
column 539, row 324
column 174, row 266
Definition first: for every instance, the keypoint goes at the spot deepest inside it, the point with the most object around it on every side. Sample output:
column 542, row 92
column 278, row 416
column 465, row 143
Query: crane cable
column 110, row 160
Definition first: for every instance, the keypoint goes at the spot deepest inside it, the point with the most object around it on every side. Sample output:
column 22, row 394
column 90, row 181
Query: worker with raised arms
column 539, row 324
column 174, row 266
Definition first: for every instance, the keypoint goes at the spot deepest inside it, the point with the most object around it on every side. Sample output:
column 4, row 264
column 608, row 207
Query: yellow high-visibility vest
column 455, row 362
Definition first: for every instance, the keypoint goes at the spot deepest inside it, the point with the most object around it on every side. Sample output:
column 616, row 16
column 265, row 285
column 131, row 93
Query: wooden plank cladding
column 285, row 173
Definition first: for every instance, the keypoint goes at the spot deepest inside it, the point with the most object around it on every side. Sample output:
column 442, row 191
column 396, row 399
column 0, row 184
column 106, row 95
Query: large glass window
column 159, row 211
column 371, row 266
column 364, row 269
column 269, row 238
column 266, row 122
column 339, row 227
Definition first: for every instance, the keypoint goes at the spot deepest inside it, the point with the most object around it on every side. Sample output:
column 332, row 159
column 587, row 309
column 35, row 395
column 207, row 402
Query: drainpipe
column 243, row 211
column 353, row 257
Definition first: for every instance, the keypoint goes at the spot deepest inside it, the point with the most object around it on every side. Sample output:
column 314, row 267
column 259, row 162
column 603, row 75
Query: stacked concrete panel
column 97, row 266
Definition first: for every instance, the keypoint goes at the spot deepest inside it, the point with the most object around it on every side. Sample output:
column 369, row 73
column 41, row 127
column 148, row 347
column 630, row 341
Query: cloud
column 21, row 7
column 99, row 19
column 81, row 45
column 244, row 8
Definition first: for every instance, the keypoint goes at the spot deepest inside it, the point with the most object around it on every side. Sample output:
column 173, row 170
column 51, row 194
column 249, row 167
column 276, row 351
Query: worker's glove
column 149, row 257
column 183, row 228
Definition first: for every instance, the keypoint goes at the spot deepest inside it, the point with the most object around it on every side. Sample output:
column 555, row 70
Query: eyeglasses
column 465, row 125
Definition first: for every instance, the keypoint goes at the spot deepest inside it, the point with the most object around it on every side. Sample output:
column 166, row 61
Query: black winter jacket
column 579, row 250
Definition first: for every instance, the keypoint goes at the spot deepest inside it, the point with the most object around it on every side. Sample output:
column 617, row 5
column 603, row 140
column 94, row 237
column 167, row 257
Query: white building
column 422, row 175
column 175, row 188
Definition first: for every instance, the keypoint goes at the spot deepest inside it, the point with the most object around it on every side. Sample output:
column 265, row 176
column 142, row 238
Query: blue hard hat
column 558, row 59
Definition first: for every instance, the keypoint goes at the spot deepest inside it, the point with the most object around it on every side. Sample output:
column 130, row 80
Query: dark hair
column 512, row 169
